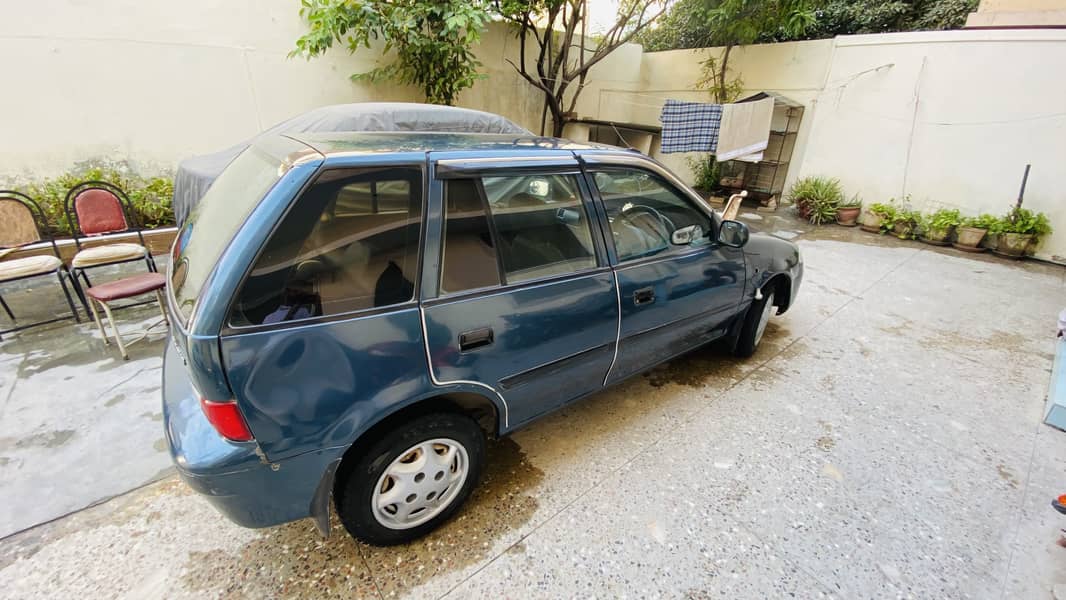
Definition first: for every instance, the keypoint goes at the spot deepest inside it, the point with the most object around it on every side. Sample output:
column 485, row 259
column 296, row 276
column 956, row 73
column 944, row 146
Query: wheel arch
column 482, row 409
column 781, row 286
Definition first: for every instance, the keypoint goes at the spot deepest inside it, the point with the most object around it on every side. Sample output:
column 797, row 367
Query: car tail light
column 227, row 420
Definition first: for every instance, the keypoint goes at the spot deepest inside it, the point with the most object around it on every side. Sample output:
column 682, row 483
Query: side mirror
column 684, row 236
column 733, row 234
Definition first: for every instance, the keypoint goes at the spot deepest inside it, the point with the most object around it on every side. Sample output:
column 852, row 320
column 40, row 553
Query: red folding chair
column 96, row 208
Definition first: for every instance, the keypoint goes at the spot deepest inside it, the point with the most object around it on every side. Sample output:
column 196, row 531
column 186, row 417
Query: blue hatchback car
column 354, row 313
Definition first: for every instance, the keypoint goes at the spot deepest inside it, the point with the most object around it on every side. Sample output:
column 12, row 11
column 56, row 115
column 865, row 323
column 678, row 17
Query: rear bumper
column 247, row 489
column 263, row 497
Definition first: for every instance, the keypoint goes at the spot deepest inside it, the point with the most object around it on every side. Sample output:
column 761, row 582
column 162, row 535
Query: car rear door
column 324, row 334
column 673, row 298
column 518, row 296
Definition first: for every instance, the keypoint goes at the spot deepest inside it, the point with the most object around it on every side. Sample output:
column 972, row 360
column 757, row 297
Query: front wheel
column 412, row 479
column 754, row 326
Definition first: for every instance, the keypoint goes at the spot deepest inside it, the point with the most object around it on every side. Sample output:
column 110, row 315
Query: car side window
column 644, row 211
column 539, row 228
column 348, row 243
column 469, row 258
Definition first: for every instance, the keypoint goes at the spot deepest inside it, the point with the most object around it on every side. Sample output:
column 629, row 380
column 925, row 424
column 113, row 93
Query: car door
column 324, row 333
column 673, row 297
column 523, row 301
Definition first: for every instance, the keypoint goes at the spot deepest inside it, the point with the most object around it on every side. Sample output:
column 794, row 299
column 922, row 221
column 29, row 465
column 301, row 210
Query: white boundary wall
column 948, row 118
column 154, row 82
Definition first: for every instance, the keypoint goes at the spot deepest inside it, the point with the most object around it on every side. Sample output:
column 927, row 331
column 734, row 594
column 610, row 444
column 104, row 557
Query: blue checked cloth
column 690, row 126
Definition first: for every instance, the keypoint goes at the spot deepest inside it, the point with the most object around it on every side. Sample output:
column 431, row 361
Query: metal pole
column 1025, row 178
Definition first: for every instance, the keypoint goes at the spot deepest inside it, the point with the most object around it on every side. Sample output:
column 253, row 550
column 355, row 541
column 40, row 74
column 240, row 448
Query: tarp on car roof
column 196, row 174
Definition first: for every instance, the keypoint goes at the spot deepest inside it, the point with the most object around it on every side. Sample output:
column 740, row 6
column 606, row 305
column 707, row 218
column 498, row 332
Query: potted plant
column 1018, row 229
column 848, row 211
column 822, row 210
column 937, row 227
column 816, row 198
column 905, row 223
column 877, row 216
column 972, row 230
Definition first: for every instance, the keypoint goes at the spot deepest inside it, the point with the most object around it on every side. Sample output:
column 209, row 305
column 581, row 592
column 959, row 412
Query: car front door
column 523, row 301
column 674, row 297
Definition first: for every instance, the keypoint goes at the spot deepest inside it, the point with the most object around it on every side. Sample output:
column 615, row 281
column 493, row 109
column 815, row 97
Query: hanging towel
column 690, row 126
column 745, row 130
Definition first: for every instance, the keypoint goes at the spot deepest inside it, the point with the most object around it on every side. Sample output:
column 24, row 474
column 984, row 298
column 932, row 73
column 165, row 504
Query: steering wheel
column 661, row 224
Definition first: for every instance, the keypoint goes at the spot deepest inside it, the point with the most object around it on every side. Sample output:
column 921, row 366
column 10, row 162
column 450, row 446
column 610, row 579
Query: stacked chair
column 93, row 208
column 22, row 224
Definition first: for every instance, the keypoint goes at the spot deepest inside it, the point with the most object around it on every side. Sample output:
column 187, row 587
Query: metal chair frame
column 75, row 227
column 61, row 272
column 137, row 336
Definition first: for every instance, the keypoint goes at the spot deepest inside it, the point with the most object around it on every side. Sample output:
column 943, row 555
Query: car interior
column 541, row 227
column 350, row 243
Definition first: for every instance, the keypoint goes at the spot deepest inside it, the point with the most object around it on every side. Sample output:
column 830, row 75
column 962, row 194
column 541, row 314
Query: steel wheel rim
column 764, row 318
column 420, row 483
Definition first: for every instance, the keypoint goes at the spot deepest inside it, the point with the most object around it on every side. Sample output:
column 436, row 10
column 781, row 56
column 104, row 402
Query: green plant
column 562, row 48
column 743, row 22
column 711, row 80
column 940, row 221
column 822, row 212
column 1024, row 221
column 706, row 171
column 905, row 223
column 854, row 202
column 897, row 212
column 821, row 195
column 432, row 40
column 684, row 26
column 885, row 211
column 990, row 223
column 887, row 214
column 151, row 198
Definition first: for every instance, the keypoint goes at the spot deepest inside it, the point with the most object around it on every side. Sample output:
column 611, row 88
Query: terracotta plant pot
column 990, row 241
column 970, row 237
column 848, row 216
column 903, row 229
column 1013, row 244
column 936, row 237
column 871, row 222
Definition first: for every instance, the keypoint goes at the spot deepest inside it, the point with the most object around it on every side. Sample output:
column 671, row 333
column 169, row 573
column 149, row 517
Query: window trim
column 229, row 329
column 481, row 292
column 669, row 253
column 599, row 249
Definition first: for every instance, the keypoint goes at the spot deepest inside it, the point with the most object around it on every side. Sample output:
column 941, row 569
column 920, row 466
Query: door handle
column 475, row 338
column 644, row 296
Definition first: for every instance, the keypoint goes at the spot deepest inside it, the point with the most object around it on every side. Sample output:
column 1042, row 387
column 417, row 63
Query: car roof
column 334, row 143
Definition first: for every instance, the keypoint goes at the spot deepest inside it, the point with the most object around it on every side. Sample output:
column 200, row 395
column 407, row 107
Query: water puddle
column 47, row 439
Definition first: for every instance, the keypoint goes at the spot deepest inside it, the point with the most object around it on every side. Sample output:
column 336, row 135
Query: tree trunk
column 722, row 91
column 558, row 123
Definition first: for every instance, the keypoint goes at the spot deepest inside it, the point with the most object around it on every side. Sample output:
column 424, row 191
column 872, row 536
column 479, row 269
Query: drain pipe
column 1025, row 178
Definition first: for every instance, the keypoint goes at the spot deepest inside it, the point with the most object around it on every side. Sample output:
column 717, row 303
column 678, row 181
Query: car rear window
column 348, row 243
column 215, row 220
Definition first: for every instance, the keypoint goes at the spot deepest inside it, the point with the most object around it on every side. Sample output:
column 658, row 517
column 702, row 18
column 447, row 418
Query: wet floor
column 77, row 423
column 885, row 440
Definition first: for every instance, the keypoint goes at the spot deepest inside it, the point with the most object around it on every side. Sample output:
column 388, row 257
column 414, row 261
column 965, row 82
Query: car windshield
column 211, row 226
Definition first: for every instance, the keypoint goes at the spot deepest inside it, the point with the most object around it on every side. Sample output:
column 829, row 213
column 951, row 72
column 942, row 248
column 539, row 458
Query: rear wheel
column 754, row 326
column 412, row 479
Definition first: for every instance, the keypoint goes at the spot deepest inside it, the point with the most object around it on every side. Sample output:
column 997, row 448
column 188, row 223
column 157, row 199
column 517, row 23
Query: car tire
column 392, row 493
column 754, row 325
